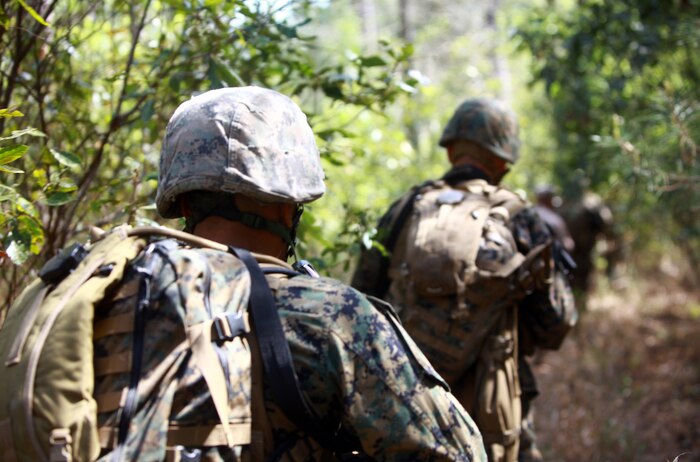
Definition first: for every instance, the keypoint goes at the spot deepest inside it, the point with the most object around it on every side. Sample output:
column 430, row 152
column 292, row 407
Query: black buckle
column 228, row 326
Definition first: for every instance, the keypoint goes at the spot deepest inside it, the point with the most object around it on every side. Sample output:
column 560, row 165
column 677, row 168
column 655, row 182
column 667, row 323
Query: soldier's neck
column 233, row 233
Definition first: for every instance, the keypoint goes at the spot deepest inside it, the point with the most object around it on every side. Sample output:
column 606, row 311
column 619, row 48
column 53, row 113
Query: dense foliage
column 624, row 82
column 86, row 89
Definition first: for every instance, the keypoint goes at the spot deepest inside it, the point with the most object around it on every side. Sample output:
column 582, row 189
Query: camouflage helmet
column 486, row 122
column 248, row 140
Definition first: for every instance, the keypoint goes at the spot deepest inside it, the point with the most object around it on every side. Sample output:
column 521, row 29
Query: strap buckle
column 60, row 449
column 194, row 455
column 228, row 326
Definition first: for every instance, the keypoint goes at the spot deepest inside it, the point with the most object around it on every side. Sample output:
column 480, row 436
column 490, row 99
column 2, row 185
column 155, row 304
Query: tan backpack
column 456, row 277
column 435, row 263
column 72, row 367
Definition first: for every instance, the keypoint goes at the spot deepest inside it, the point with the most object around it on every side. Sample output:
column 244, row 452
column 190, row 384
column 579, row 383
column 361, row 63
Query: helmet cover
column 488, row 123
column 247, row 140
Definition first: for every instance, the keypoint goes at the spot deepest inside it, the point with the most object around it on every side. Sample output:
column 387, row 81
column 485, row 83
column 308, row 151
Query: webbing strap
column 7, row 445
column 209, row 435
column 131, row 399
column 190, row 436
column 276, row 357
column 109, row 401
column 113, row 364
column 15, row 354
column 405, row 209
column 204, row 356
column 120, row 324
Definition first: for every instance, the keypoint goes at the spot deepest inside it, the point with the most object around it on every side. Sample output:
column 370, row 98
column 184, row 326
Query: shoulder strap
column 395, row 226
column 277, row 359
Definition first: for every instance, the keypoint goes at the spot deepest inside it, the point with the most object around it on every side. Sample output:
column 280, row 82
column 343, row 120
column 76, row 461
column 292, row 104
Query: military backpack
column 93, row 369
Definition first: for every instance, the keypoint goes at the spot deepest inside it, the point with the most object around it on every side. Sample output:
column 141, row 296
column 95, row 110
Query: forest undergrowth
column 625, row 385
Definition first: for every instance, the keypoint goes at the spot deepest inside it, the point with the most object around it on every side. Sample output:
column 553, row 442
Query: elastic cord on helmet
column 205, row 204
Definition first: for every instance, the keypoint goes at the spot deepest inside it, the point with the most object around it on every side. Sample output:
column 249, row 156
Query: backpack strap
column 395, row 226
column 277, row 359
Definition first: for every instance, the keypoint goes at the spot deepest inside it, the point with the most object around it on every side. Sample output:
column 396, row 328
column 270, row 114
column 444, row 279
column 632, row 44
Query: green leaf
column 30, row 229
column 23, row 205
column 152, row 176
column 8, row 169
column 59, row 198
column 68, row 159
column 27, row 131
column 10, row 153
column 147, row 111
column 33, row 13
column 10, row 113
column 372, row 61
column 227, row 74
column 7, row 193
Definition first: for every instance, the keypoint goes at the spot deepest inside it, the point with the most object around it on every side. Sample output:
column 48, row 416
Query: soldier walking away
column 546, row 206
column 240, row 355
column 592, row 229
column 469, row 267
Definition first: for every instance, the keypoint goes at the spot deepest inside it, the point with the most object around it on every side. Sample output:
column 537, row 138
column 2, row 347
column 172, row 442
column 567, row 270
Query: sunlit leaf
column 10, row 113
column 18, row 251
column 33, row 13
column 11, row 153
column 8, row 169
column 26, row 131
column 31, row 227
column 66, row 158
column 23, row 205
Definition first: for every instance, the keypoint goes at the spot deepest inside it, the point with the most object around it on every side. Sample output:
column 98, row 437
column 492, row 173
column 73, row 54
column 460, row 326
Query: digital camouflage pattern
column 355, row 366
column 247, row 140
column 189, row 287
column 486, row 122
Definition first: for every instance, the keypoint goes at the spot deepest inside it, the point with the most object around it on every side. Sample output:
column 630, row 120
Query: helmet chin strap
column 205, row 204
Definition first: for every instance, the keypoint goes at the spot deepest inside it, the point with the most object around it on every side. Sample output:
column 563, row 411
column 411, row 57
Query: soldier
column 547, row 203
column 591, row 224
column 238, row 164
column 471, row 275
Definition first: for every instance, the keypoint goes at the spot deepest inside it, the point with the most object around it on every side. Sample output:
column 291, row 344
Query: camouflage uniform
column 357, row 368
column 354, row 366
column 545, row 315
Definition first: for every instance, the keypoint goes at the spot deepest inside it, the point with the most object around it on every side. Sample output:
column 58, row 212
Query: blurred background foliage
column 607, row 94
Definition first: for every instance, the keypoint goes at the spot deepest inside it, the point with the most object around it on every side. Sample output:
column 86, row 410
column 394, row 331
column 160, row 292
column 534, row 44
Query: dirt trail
column 626, row 385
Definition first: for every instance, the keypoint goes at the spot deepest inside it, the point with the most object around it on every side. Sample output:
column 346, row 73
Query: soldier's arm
column 393, row 401
column 356, row 367
column 549, row 312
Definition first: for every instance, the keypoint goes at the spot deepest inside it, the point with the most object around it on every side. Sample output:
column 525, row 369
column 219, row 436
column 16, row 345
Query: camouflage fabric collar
column 465, row 173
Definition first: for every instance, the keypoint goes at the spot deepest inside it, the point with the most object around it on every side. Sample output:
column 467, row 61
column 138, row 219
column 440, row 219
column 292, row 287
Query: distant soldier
column 469, row 267
column 546, row 207
column 591, row 224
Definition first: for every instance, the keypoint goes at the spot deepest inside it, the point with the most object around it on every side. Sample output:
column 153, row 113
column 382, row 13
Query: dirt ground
column 625, row 385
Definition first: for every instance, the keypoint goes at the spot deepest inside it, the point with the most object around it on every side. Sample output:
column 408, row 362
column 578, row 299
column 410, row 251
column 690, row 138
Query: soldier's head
column 485, row 132
column 547, row 196
column 245, row 155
